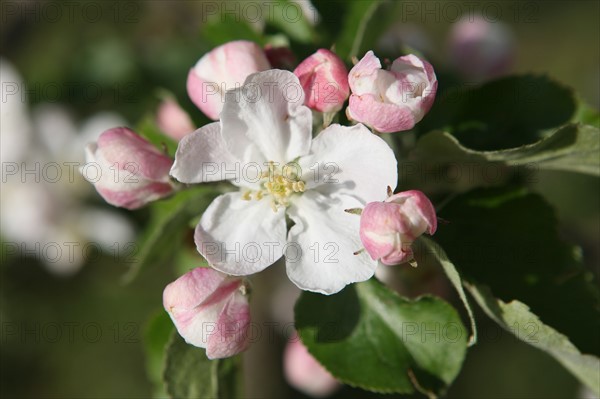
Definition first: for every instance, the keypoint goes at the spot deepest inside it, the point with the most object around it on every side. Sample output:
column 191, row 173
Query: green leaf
column 507, row 239
column 288, row 17
column 368, row 336
column 573, row 148
column 166, row 231
column 225, row 27
column 505, row 113
column 233, row 22
column 364, row 23
column 516, row 317
column 186, row 259
column 189, row 374
column 227, row 378
column 587, row 115
column 454, row 277
column 156, row 337
column 359, row 14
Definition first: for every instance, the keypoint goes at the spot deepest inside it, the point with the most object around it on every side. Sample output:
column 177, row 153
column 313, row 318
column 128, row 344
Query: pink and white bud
column 391, row 100
column 280, row 57
column 480, row 49
column 210, row 310
column 127, row 170
column 388, row 229
column 324, row 79
column 173, row 120
column 303, row 372
column 224, row 68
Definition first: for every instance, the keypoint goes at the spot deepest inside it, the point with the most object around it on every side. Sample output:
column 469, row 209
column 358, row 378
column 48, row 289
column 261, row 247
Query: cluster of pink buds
column 387, row 100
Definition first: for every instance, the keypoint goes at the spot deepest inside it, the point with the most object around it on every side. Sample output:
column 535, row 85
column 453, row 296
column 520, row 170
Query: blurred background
column 70, row 327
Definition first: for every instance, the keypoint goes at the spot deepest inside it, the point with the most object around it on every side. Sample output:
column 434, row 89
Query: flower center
column 278, row 183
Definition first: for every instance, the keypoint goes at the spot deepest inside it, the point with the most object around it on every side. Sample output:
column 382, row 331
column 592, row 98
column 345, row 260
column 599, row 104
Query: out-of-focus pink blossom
column 303, row 372
column 324, row 79
column 173, row 120
column 391, row 100
column 224, row 68
column 388, row 229
column 210, row 310
column 127, row 170
column 480, row 49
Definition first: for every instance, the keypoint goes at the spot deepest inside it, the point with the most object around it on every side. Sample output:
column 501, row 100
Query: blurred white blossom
column 42, row 203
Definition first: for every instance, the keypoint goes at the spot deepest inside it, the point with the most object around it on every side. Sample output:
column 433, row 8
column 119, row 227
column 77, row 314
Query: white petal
column 328, row 238
column 351, row 161
column 241, row 237
column 265, row 120
column 202, row 157
column 15, row 124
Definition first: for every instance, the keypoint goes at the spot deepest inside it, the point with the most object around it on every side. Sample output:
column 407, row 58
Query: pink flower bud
column 324, row 78
column 388, row 229
column 127, row 170
column 173, row 120
column 391, row 100
column 224, row 68
column 303, row 372
column 480, row 49
column 210, row 310
column 280, row 57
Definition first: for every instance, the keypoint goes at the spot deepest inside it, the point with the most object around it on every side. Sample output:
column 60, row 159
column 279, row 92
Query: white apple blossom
column 265, row 125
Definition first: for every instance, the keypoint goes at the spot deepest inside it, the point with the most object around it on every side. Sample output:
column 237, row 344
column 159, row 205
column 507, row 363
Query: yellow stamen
column 279, row 183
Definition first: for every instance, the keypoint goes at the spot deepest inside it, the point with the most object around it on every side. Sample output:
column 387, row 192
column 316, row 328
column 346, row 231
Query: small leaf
column 189, row 374
column 574, row 148
column 364, row 24
column 165, row 232
column 517, row 318
column 148, row 129
column 224, row 27
column 454, row 277
column 384, row 338
column 227, row 373
column 186, row 259
column 587, row 115
column 358, row 16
